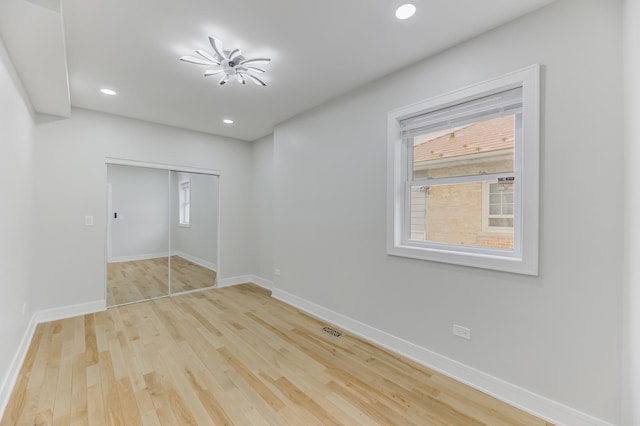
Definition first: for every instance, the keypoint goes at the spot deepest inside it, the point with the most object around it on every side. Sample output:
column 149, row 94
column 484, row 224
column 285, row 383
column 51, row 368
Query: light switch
column 88, row 221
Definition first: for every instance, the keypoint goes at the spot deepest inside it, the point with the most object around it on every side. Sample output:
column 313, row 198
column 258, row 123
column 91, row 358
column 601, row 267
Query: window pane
column 501, row 222
column 453, row 214
column 477, row 148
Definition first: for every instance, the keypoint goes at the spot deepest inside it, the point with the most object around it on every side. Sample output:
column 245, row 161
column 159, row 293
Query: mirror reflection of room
column 162, row 233
column 194, row 231
column 137, row 234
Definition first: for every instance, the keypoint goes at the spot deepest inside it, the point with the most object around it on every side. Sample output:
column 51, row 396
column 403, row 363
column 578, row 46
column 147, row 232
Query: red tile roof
column 484, row 136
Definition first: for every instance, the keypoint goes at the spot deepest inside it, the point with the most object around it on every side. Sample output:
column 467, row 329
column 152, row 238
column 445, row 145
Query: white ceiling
column 320, row 49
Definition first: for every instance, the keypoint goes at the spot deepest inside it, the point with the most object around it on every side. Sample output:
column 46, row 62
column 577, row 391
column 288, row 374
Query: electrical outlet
column 88, row 221
column 276, row 272
column 461, row 331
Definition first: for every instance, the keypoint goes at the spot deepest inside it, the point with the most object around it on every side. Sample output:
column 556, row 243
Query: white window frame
column 184, row 206
column 523, row 259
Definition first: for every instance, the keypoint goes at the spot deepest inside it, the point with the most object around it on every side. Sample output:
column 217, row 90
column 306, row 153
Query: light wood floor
column 146, row 279
column 229, row 356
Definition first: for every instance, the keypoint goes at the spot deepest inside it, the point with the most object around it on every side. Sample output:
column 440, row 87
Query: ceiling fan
column 230, row 63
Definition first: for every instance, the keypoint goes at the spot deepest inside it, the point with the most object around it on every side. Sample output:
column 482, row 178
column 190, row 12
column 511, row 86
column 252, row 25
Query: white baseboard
column 262, row 282
column 516, row 396
column 55, row 314
column 39, row 317
column 198, row 261
column 231, row 281
column 11, row 375
column 243, row 279
column 118, row 259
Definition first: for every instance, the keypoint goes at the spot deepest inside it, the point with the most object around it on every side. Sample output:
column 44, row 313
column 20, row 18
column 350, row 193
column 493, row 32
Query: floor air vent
column 332, row 331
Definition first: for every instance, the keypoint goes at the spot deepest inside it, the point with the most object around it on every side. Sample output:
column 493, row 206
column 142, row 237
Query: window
column 463, row 176
column 498, row 206
column 184, row 195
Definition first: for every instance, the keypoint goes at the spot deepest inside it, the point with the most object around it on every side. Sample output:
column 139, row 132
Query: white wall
column 16, row 166
column 69, row 257
column 200, row 238
column 631, row 360
column 140, row 198
column 262, row 238
column 558, row 334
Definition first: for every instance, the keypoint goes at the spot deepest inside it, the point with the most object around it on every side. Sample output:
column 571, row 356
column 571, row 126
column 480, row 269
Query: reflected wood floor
column 137, row 280
column 230, row 356
column 145, row 279
column 186, row 275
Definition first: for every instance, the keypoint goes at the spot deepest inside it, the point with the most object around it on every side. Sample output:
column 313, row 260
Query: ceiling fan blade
column 217, row 47
column 208, row 73
column 197, row 61
column 207, row 56
column 224, row 80
column 248, row 61
column 256, row 80
column 234, row 53
column 240, row 78
column 256, row 69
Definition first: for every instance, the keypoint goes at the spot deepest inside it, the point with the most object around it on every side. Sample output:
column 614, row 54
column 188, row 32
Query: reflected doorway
column 138, row 257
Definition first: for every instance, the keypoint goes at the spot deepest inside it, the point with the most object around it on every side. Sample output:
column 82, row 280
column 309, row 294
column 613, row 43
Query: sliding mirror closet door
column 138, row 229
column 194, row 231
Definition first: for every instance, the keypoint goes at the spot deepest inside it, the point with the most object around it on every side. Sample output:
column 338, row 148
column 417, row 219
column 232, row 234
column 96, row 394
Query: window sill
column 184, row 225
column 505, row 261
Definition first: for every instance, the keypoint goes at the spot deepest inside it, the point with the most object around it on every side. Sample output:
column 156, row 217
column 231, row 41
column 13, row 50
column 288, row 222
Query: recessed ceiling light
column 109, row 92
column 227, row 121
column 405, row 11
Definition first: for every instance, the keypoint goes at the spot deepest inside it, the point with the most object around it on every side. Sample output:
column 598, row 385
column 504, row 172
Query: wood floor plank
column 95, row 405
column 232, row 356
column 110, row 399
column 160, row 399
column 79, row 404
column 46, row 402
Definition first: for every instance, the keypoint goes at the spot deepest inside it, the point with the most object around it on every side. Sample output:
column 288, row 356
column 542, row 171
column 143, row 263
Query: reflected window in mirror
column 185, row 203
column 194, row 247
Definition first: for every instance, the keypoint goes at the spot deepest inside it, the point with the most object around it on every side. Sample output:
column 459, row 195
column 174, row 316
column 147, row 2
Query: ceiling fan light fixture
column 231, row 63
column 405, row 11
